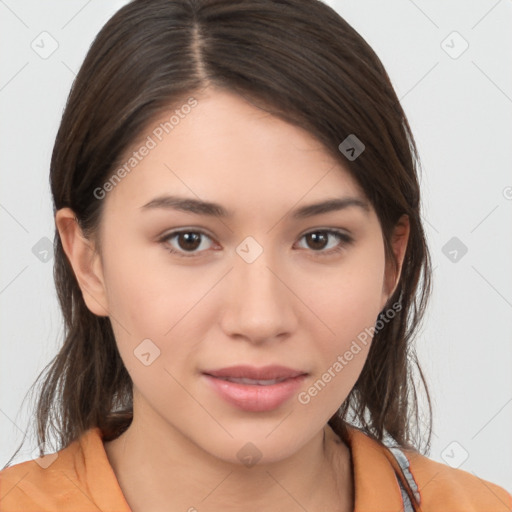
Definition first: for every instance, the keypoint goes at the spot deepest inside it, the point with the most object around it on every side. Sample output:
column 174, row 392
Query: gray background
column 459, row 104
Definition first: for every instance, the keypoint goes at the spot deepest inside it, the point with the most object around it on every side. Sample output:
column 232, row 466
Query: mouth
column 265, row 375
column 255, row 389
column 251, row 382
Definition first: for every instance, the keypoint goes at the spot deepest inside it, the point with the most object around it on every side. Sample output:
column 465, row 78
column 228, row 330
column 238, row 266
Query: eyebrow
column 199, row 207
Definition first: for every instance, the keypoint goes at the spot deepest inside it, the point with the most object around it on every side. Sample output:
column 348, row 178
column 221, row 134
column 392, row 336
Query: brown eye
column 326, row 241
column 186, row 243
column 189, row 241
column 317, row 240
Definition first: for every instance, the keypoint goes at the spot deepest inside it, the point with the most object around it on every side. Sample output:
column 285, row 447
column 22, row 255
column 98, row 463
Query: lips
column 254, row 389
column 245, row 374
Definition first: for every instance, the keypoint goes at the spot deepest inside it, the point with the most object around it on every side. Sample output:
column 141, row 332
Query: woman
column 241, row 266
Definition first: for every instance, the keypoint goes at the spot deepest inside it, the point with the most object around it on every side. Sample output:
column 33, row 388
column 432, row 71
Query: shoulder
column 45, row 483
column 37, row 484
column 438, row 487
column 442, row 487
column 77, row 477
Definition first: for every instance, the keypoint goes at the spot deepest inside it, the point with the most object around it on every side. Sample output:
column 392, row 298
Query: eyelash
column 343, row 237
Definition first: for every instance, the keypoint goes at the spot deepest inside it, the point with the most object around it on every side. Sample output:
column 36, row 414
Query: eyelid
column 333, row 231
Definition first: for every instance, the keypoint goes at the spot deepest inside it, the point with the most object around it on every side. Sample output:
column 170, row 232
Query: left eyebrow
column 330, row 205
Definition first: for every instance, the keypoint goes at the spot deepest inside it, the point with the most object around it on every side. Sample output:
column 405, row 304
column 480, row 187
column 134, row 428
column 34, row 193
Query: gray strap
column 404, row 466
column 405, row 497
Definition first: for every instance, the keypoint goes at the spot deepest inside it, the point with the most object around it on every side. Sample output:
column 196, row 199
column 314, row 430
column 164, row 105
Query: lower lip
column 254, row 397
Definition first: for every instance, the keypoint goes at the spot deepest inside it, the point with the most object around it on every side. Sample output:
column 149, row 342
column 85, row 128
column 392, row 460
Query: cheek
column 146, row 292
column 171, row 305
column 347, row 296
column 347, row 301
column 135, row 295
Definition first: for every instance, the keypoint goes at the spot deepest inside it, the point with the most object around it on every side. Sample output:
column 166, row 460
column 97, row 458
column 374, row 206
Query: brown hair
column 301, row 61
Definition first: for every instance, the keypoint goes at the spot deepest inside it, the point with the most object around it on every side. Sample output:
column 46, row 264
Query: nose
column 259, row 305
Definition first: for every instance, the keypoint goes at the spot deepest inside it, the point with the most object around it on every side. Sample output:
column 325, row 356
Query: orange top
column 79, row 478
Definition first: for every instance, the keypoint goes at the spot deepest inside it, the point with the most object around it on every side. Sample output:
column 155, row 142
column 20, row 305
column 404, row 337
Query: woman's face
column 265, row 284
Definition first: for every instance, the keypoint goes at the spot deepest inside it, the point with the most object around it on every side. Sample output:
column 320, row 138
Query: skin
column 290, row 306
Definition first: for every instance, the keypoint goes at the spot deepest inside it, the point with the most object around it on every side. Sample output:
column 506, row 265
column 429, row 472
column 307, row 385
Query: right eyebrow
column 189, row 205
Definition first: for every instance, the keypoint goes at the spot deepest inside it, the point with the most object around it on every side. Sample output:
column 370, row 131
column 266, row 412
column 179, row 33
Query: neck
column 159, row 468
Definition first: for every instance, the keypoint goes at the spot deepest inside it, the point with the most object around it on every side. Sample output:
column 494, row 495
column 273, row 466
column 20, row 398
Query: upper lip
column 270, row 372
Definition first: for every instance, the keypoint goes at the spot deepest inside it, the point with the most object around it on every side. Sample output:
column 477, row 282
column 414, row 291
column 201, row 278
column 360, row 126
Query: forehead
column 229, row 151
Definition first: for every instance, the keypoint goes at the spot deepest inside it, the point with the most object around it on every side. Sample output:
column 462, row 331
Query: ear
column 399, row 239
column 85, row 261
